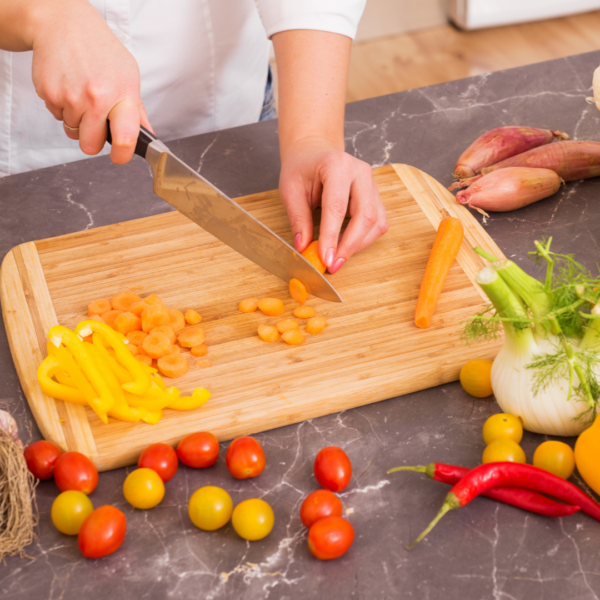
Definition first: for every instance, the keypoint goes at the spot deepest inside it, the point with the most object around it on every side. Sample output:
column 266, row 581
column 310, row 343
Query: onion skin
column 572, row 160
column 510, row 188
column 499, row 144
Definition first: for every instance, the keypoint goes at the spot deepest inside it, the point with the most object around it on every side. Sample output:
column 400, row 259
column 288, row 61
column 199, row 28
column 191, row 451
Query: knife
column 200, row 201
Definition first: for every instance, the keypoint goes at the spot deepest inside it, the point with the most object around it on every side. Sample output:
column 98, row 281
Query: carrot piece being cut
column 298, row 291
column 126, row 323
column 192, row 317
column 97, row 307
column 311, row 254
column 445, row 249
column 173, row 365
column 124, row 301
column 191, row 337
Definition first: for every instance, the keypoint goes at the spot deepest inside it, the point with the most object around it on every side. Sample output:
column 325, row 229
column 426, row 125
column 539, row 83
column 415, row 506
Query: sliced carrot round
column 316, row 325
column 304, row 312
column 293, row 337
column 202, row 364
column 97, row 307
column 153, row 299
column 298, row 291
column 248, row 305
column 191, row 337
column 176, row 319
column 192, row 317
column 124, row 301
column 155, row 315
column 311, row 254
column 110, row 315
column 173, row 365
column 286, row 325
column 143, row 358
column 157, row 345
column 272, row 307
column 133, row 349
column 137, row 308
column 126, row 323
column 136, row 337
column 175, row 349
column 268, row 333
column 200, row 350
column 167, row 330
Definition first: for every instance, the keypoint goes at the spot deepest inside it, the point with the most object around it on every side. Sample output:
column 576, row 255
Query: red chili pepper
column 500, row 474
column 525, row 499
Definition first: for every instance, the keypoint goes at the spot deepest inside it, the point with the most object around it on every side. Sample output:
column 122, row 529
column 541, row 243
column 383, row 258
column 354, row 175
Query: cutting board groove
column 370, row 351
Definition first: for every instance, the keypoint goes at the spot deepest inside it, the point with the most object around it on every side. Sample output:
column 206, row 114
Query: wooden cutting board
column 370, row 351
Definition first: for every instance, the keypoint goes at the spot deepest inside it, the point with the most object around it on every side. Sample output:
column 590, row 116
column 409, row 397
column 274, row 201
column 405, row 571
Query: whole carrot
column 500, row 474
column 518, row 497
column 445, row 248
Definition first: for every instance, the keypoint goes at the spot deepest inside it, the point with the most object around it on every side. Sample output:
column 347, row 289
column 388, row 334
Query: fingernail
column 337, row 265
column 298, row 241
column 329, row 256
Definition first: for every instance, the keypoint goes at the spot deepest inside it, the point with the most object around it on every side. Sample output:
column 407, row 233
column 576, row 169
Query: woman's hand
column 85, row 75
column 314, row 172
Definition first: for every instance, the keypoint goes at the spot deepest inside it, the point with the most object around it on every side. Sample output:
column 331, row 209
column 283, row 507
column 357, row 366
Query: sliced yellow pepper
column 153, row 417
column 121, row 409
column 199, row 397
column 80, row 366
column 121, row 373
column 155, row 397
column 141, row 379
column 49, row 367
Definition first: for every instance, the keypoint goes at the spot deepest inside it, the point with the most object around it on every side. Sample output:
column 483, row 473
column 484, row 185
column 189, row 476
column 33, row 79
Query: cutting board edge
column 25, row 300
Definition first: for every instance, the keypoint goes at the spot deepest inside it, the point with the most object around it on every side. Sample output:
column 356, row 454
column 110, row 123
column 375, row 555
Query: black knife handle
column 144, row 139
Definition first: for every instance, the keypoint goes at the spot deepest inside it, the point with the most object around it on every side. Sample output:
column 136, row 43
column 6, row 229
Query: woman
column 204, row 67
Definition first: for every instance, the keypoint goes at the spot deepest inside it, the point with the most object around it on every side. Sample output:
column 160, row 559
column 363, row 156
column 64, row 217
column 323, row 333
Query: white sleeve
column 336, row 16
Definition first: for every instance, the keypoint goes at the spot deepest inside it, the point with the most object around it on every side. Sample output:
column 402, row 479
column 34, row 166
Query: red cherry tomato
column 160, row 458
column 333, row 469
column 319, row 505
column 245, row 458
column 199, row 450
column 330, row 538
column 41, row 457
column 75, row 471
column 102, row 532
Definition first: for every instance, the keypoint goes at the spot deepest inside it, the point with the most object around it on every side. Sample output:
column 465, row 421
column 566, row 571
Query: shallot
column 501, row 143
column 510, row 188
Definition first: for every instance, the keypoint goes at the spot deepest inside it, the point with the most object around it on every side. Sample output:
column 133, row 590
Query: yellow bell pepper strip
column 141, row 378
column 121, row 373
column 153, row 417
column 199, row 397
column 50, row 365
column 120, row 410
column 155, row 397
column 59, row 334
column 158, row 380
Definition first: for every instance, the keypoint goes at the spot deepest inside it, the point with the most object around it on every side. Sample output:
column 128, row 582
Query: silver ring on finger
column 73, row 129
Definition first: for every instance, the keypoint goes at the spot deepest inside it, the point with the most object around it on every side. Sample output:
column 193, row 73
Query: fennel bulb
column 548, row 369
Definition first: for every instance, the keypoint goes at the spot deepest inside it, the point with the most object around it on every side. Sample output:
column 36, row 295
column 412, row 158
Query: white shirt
column 203, row 66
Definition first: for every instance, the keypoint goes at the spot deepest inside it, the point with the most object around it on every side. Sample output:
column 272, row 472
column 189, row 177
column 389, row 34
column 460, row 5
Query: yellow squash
column 587, row 455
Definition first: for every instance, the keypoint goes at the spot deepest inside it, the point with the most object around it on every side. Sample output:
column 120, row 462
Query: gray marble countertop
column 484, row 551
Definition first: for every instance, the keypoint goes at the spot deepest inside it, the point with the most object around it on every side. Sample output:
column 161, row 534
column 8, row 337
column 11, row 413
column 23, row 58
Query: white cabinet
column 474, row 14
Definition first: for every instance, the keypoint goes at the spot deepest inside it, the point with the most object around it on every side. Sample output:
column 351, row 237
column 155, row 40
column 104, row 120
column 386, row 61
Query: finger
column 367, row 224
column 295, row 200
column 125, row 129
column 334, row 203
column 57, row 111
column 72, row 119
column 144, row 119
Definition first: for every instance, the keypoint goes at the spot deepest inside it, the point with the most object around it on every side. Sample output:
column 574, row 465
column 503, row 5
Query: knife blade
column 200, row 201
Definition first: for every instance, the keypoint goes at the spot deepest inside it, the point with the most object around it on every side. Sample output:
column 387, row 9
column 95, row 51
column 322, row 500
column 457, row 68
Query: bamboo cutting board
column 370, row 351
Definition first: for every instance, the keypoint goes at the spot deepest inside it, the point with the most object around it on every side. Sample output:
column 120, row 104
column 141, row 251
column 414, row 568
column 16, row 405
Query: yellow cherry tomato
column 476, row 377
column 253, row 519
column 210, row 508
column 556, row 457
column 587, row 451
column 143, row 488
column 502, row 426
column 503, row 450
column 69, row 511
